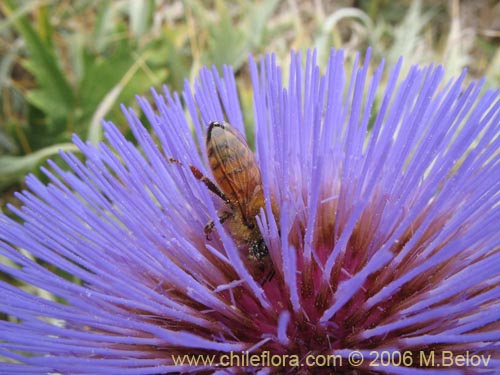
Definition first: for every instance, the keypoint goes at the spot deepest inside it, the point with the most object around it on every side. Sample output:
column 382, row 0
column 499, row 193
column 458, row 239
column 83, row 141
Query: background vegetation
column 65, row 65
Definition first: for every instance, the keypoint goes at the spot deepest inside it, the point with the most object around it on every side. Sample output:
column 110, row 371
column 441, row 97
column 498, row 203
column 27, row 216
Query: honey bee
column 237, row 173
column 238, row 184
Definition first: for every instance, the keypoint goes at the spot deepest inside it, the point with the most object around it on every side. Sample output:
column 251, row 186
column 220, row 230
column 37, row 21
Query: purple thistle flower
column 381, row 221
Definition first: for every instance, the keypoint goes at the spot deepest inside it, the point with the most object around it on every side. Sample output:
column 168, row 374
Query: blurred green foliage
column 66, row 65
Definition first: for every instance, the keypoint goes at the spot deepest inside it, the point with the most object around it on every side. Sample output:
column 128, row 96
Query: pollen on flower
column 364, row 221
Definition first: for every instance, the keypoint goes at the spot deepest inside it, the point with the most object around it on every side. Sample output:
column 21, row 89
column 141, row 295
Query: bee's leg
column 211, row 225
column 268, row 277
column 208, row 182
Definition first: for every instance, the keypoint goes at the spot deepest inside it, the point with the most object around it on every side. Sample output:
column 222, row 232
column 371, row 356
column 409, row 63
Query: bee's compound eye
column 258, row 249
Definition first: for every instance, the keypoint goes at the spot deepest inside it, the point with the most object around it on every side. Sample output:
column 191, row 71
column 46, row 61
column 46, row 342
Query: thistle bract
column 381, row 217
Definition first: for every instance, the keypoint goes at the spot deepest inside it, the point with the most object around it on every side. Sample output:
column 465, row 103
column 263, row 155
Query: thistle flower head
column 380, row 214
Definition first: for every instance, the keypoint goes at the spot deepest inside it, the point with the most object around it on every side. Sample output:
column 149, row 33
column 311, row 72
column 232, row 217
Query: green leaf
column 113, row 80
column 100, row 76
column 256, row 20
column 323, row 41
column 45, row 68
column 47, row 103
column 408, row 35
column 140, row 15
column 169, row 51
column 228, row 44
column 105, row 26
column 6, row 142
column 13, row 168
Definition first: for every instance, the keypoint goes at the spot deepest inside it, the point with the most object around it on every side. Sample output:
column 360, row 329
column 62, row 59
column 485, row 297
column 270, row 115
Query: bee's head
column 258, row 249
